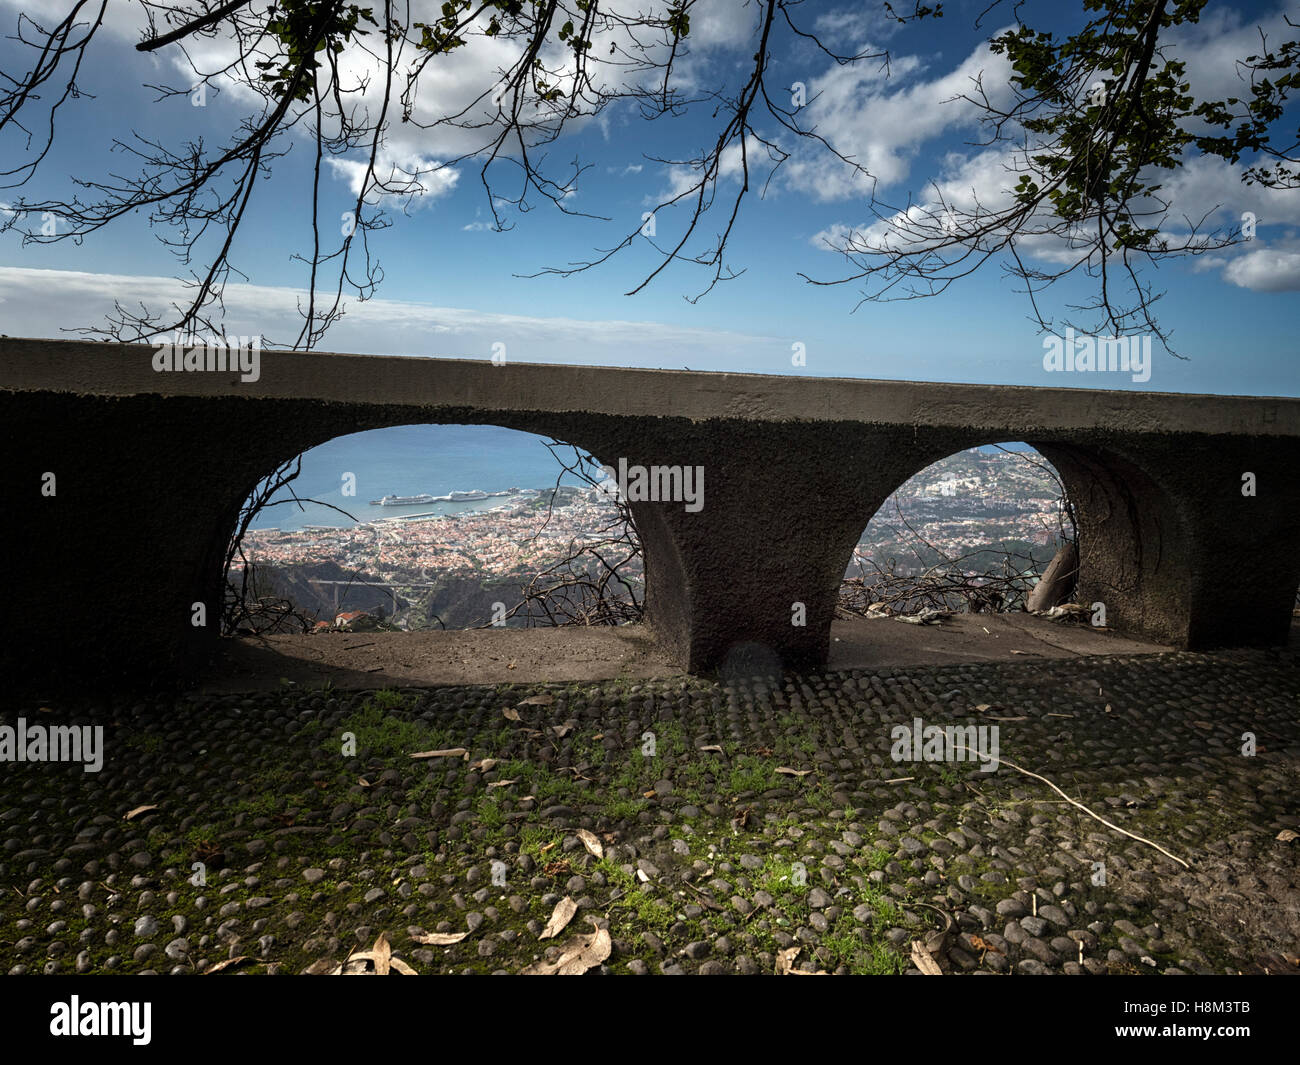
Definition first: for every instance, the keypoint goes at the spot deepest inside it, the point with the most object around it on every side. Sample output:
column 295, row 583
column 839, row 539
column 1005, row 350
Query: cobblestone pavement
column 736, row 822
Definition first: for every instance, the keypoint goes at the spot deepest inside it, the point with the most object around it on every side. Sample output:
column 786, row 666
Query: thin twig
column 1075, row 802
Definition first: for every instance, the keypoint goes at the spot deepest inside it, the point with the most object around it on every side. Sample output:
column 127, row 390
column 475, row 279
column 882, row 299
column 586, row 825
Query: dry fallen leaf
column 590, row 841
column 648, row 794
column 130, row 814
column 510, row 714
column 380, row 956
column 712, row 747
column 564, row 729
column 579, row 954
column 537, row 700
column 484, row 765
column 560, row 918
column 439, row 939
column 363, row 782
column 982, row 944
column 227, row 964
column 450, row 752
column 924, row 960
column 1286, row 835
column 360, row 965
column 502, row 783
column 785, row 960
column 787, row 771
column 383, row 953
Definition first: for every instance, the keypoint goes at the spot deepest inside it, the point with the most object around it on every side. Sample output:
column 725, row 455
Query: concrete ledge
column 87, row 368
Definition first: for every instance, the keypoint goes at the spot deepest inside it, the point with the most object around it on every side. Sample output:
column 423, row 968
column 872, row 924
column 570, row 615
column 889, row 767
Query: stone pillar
column 751, row 581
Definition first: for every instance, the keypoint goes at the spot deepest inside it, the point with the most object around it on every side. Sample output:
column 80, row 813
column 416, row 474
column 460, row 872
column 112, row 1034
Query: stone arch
column 1133, row 530
column 296, row 431
column 893, row 466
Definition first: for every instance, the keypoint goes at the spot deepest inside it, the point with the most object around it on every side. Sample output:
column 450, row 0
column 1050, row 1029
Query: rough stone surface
column 729, row 902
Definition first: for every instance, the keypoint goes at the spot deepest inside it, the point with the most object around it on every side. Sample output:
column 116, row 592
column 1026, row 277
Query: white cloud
column 852, row 27
column 718, row 29
column 36, row 303
column 722, row 24
column 881, row 120
column 1213, row 46
column 1265, row 270
column 450, row 85
column 1206, row 192
column 978, row 183
column 1208, row 186
column 416, row 181
column 885, row 129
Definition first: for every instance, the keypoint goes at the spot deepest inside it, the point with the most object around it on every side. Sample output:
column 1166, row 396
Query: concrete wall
column 152, row 469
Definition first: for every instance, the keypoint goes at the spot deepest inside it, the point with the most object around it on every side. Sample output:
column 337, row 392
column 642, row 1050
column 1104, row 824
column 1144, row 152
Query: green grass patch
column 750, row 773
column 380, row 727
column 633, row 911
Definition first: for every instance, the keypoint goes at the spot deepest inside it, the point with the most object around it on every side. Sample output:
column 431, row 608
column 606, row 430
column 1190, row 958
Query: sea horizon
column 412, row 460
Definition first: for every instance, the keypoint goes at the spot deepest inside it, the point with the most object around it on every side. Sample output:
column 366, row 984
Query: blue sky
column 451, row 287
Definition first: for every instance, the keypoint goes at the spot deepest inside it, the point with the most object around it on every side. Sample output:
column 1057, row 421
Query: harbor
column 472, row 495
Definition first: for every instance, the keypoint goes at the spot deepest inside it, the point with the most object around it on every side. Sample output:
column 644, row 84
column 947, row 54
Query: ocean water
column 411, row 460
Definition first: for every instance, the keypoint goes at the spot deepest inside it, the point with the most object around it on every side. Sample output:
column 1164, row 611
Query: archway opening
column 972, row 533
column 422, row 527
